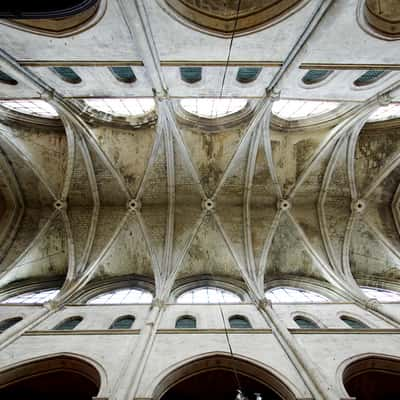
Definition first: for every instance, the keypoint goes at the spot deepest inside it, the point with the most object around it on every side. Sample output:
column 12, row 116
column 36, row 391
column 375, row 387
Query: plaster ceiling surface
column 249, row 197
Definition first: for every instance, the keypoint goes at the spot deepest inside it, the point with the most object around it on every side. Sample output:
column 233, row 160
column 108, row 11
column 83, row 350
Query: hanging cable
column 230, row 47
column 230, row 347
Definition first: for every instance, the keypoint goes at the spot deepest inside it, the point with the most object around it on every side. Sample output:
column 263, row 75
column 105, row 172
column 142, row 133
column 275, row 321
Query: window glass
column 369, row 77
column 185, row 322
column 213, row 108
column 123, row 322
column 123, row 74
column 305, row 323
column 382, row 295
column 5, row 78
column 69, row 324
column 190, row 74
column 315, row 75
column 295, row 109
column 247, row 74
column 386, row 112
column 8, row 323
column 123, row 296
column 122, row 107
column 40, row 296
column 353, row 323
column 294, row 295
column 67, row 74
column 239, row 322
column 208, row 294
column 39, row 108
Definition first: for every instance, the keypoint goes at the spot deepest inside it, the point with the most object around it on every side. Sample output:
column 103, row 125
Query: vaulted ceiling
column 250, row 198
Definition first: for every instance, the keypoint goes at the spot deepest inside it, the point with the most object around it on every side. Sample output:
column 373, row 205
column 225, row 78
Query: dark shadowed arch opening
column 373, row 378
column 215, row 377
column 61, row 378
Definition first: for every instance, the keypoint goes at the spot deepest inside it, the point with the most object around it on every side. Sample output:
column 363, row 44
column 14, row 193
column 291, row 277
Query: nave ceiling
column 170, row 197
column 172, row 201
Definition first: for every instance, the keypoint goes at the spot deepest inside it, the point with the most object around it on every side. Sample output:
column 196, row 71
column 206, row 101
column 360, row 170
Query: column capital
column 263, row 303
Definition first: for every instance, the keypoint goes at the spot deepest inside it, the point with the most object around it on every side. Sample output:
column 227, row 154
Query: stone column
column 131, row 372
column 315, row 382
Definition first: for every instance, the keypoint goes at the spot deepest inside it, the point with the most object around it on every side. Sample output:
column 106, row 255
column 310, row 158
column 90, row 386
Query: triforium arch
column 53, row 376
column 251, row 376
column 370, row 376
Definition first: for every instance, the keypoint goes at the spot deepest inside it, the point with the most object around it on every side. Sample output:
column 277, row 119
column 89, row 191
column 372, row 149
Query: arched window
column 122, row 107
column 67, row 74
column 294, row 295
column 123, row 74
column 4, row 78
column 353, row 323
column 208, row 295
column 213, row 108
column 385, row 112
column 239, row 322
column 123, row 296
column 383, row 295
column 35, row 107
column 248, row 74
column 185, row 322
column 305, row 323
column 36, row 297
column 68, row 324
column 191, row 74
column 314, row 76
column 124, row 322
column 8, row 323
column 296, row 109
column 369, row 77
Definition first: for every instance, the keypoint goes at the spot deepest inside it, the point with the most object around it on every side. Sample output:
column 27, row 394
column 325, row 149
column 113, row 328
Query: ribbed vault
column 253, row 202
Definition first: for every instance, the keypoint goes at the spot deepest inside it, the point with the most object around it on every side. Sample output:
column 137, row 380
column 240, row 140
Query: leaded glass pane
column 210, row 295
column 294, row 295
column 123, row 296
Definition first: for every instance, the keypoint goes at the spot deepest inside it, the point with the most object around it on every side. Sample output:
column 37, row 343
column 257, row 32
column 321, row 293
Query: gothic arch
column 361, row 364
column 68, row 363
column 222, row 361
